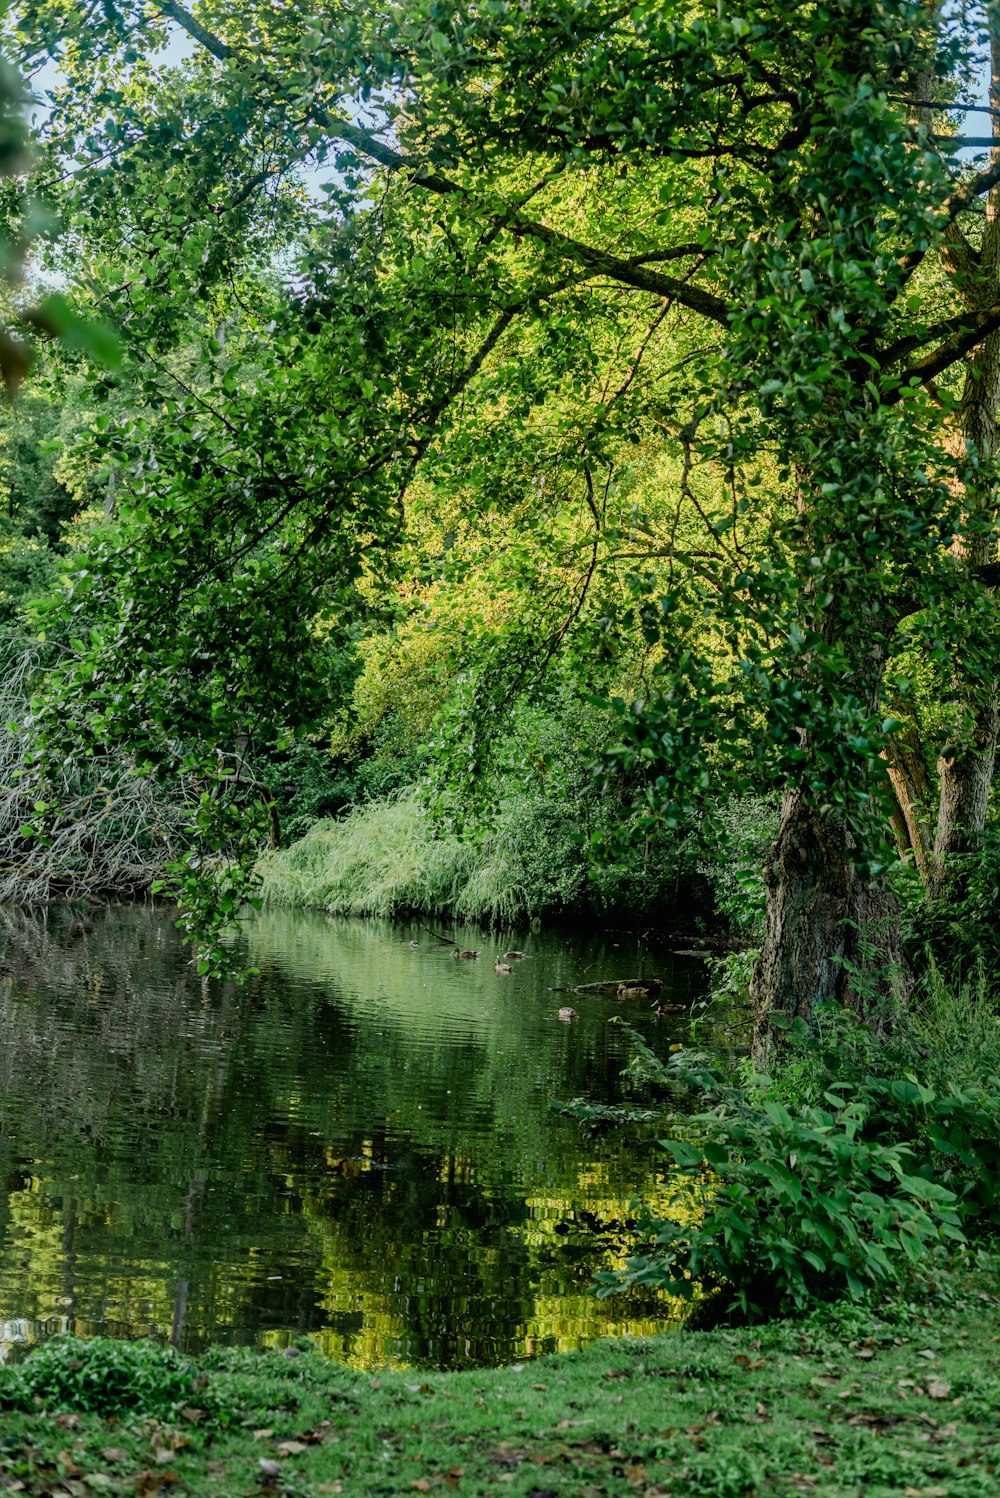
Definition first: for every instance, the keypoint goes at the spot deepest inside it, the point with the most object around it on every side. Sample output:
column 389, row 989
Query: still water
column 355, row 1145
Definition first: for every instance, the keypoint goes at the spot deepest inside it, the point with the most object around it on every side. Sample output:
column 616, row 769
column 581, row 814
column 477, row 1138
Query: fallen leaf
column 264, row 1434
column 161, row 1458
column 291, row 1448
column 151, row 1482
column 926, row 1352
column 865, row 1353
column 937, row 1388
column 875, row 1422
column 421, row 1484
column 268, row 1467
column 114, row 1454
column 746, row 1362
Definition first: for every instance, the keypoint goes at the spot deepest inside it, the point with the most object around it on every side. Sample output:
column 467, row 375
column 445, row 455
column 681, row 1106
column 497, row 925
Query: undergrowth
column 103, row 1378
column 855, row 1164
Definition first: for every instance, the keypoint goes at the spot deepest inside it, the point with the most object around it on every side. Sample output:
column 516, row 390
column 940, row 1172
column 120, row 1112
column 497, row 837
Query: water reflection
column 356, row 1144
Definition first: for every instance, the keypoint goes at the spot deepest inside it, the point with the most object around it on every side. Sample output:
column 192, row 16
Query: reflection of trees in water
column 194, row 1142
column 93, row 1003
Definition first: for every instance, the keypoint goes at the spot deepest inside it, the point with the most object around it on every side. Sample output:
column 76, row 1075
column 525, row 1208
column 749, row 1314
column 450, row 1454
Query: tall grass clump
column 381, row 859
column 529, row 861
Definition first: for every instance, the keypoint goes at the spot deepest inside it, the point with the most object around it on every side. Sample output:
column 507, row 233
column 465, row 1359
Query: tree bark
column 906, row 764
column 965, row 781
column 831, row 937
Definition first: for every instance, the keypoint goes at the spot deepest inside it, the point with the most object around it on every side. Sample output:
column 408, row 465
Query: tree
column 767, row 178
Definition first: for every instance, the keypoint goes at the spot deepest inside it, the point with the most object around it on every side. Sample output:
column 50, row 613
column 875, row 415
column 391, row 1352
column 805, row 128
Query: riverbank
column 902, row 1402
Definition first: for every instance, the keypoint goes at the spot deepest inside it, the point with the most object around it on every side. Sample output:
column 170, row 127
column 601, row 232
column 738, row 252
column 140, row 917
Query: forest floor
column 905, row 1401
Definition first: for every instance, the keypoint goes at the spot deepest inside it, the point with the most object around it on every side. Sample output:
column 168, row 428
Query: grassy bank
column 903, row 1402
column 389, row 858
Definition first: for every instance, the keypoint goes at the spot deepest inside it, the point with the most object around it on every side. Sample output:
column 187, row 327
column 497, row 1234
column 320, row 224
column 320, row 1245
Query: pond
column 355, row 1145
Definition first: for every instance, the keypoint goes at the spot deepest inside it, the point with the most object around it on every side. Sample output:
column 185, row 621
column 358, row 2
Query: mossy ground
column 903, row 1402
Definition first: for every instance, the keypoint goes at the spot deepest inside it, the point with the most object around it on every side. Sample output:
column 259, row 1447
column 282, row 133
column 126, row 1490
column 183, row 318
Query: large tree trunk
column 831, row 937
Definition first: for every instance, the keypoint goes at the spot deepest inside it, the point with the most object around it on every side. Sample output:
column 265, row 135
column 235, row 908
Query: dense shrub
column 776, row 1210
column 959, row 930
column 102, row 1378
column 837, row 1174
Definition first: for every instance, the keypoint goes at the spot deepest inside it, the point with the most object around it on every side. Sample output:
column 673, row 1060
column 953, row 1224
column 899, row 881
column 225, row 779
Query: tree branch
column 964, row 322
column 627, row 272
column 978, row 327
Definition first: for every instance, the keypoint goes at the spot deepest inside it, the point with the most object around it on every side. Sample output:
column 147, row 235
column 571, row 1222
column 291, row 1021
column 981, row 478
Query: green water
column 355, row 1145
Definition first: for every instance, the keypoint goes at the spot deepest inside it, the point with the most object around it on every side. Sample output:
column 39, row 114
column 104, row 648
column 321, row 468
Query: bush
column 777, row 1211
column 838, row 1175
column 101, row 1378
column 959, row 928
column 933, row 1087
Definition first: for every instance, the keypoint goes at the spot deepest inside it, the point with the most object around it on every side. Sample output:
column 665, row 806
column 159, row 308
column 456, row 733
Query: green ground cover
column 902, row 1400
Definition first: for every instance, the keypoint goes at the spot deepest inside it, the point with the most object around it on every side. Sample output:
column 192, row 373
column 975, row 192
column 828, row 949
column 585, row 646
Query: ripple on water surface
column 355, row 1145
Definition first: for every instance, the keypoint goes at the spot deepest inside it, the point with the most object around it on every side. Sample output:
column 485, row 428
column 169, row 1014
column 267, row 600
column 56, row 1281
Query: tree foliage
column 618, row 343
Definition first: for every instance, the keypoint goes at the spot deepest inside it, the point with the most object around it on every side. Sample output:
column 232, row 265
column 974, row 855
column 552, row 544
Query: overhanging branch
column 630, row 272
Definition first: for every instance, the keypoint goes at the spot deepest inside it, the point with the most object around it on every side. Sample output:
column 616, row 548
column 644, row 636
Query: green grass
column 900, row 1402
column 389, row 858
column 381, row 859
